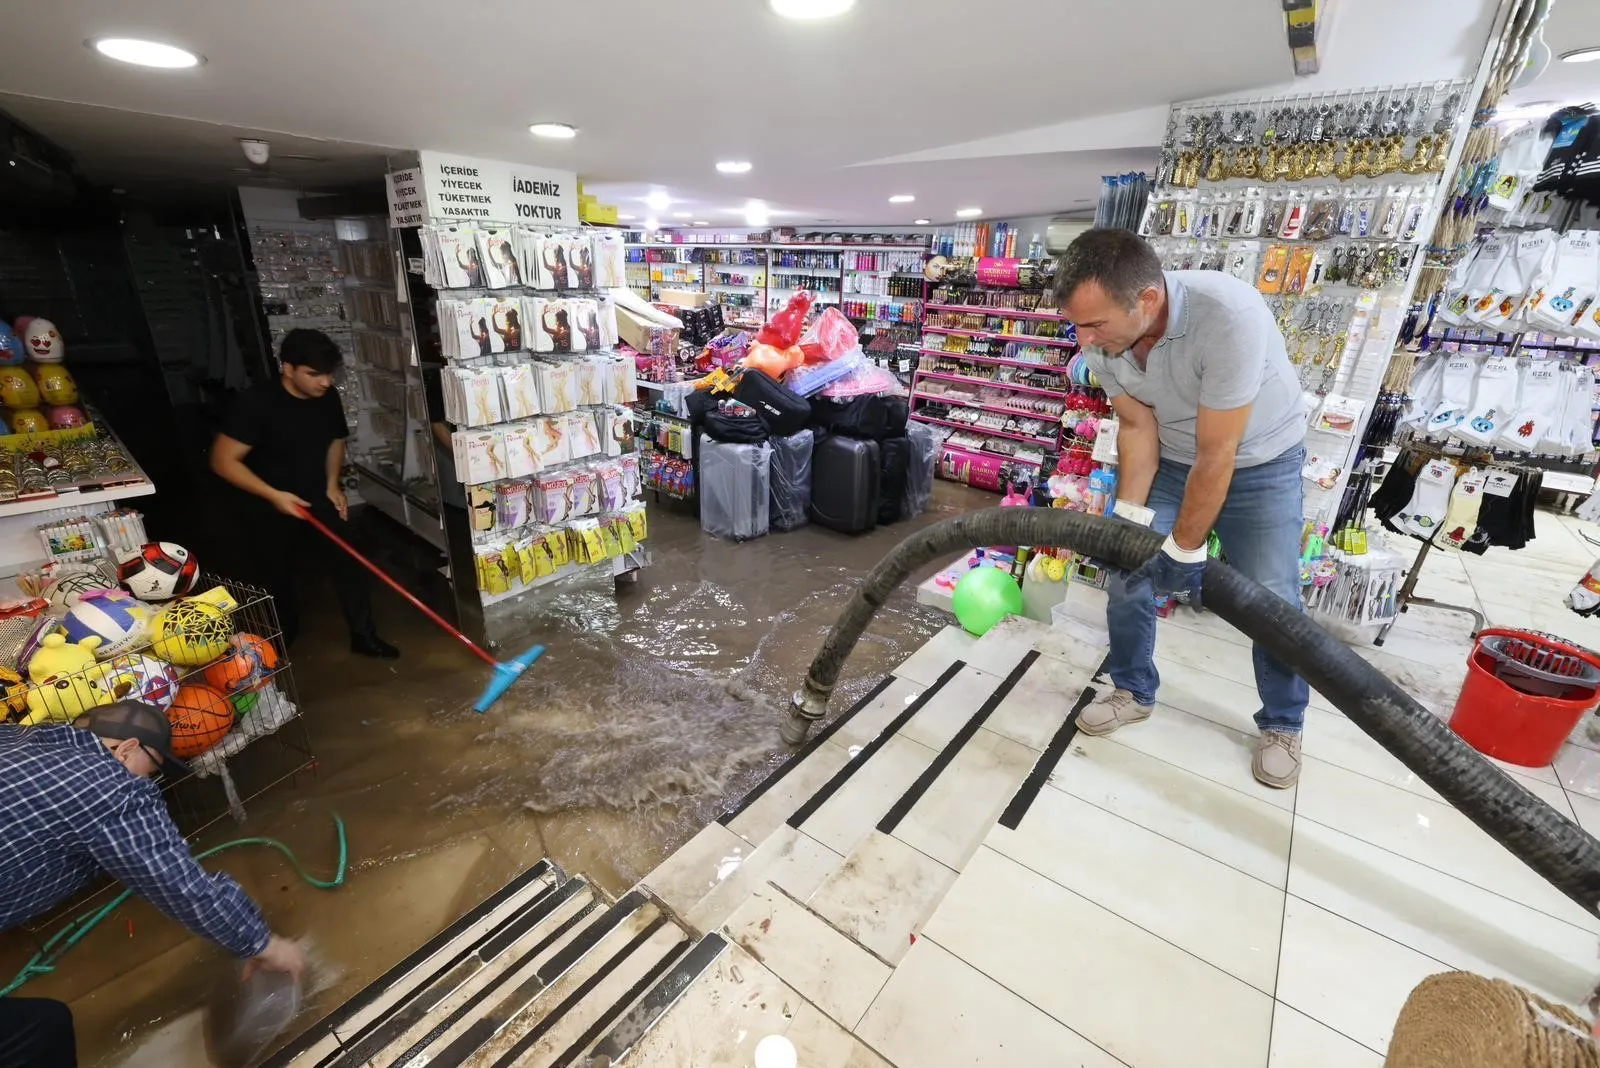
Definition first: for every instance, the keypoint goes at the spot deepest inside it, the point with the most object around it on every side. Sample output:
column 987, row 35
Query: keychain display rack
column 1323, row 203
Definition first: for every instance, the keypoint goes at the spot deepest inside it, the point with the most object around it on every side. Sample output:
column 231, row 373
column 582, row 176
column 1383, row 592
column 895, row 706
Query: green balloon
column 983, row 597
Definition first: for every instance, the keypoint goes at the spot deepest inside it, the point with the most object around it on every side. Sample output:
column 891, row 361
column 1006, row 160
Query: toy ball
column 13, row 695
column 65, row 417
column 190, row 633
column 43, row 342
column 134, row 677
column 10, row 347
column 118, row 620
column 56, row 384
column 29, row 421
column 200, row 717
column 245, row 668
column 68, row 588
column 17, row 388
column 158, row 571
column 245, row 703
column 983, row 597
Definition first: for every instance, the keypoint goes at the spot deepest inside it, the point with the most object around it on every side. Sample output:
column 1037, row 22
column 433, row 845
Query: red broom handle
column 401, row 590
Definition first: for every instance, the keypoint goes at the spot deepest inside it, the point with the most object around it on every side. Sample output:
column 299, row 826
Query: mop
column 505, row 674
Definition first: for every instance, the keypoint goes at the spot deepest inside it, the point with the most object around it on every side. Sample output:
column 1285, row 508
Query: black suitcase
column 871, row 416
column 791, row 480
column 844, row 484
column 894, row 457
column 783, row 410
column 735, row 429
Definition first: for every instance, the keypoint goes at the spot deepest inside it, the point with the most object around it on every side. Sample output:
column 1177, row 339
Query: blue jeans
column 1260, row 528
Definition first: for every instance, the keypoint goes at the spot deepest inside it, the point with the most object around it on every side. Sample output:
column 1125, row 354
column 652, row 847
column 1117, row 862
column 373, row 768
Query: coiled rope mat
column 1457, row 1019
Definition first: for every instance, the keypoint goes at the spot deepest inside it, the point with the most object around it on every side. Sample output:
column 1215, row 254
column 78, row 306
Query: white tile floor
column 1156, row 907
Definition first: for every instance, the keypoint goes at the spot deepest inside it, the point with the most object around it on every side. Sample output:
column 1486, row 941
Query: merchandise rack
column 981, row 463
column 873, row 284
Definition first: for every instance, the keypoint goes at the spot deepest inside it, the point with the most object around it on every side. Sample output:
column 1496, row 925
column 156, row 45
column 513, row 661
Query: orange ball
column 244, row 669
column 200, row 717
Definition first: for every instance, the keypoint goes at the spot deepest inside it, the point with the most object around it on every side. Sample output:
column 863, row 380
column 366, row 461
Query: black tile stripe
column 1018, row 808
column 548, row 1022
column 379, row 986
column 942, row 760
column 557, row 965
column 569, row 1056
column 384, row 1031
column 530, row 987
column 652, row 1006
column 806, row 750
column 842, row 776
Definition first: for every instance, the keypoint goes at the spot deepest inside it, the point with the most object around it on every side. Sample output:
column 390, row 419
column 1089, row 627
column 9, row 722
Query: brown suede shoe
column 1277, row 762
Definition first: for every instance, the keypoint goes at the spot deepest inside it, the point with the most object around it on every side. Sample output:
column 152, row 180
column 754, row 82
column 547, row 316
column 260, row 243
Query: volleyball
column 119, row 621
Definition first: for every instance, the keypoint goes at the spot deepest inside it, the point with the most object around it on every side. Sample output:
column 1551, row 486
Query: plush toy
column 65, row 417
column 56, row 384
column 18, row 389
column 65, row 681
column 29, row 421
column 43, row 342
column 775, row 362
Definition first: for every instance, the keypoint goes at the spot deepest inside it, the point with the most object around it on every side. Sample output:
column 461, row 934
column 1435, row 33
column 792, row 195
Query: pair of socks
column 1455, row 395
column 1494, row 402
column 1430, row 500
column 1461, row 518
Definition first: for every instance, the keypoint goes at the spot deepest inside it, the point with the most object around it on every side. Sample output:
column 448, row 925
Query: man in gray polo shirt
column 1210, row 429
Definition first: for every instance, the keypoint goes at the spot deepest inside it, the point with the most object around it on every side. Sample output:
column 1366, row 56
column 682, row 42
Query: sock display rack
column 877, row 286
column 1000, row 374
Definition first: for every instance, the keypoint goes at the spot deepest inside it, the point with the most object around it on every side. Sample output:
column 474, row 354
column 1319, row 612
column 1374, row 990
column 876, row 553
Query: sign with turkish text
column 406, row 204
column 465, row 189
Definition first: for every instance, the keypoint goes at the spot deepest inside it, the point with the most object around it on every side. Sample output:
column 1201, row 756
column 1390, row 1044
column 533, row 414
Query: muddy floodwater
column 653, row 710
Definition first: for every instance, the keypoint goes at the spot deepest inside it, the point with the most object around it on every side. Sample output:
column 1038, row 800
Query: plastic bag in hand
column 829, row 338
column 783, row 330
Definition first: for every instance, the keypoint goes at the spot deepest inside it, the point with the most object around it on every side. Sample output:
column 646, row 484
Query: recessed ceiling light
column 558, row 130
column 922, row 222
column 626, row 217
column 701, row 222
column 810, row 9
column 969, row 213
column 683, row 215
column 658, row 201
column 734, row 166
column 901, row 198
column 1581, row 55
column 652, row 223
column 146, row 53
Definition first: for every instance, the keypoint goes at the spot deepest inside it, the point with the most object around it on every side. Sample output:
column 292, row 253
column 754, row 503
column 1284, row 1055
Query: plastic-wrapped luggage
column 735, row 491
column 894, row 458
column 925, row 441
column 844, row 484
column 791, row 481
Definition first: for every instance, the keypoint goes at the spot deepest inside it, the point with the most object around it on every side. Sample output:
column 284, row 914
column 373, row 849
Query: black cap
column 145, row 724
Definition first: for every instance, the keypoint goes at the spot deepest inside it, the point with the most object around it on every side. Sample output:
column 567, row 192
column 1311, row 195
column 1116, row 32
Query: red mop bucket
column 1523, row 695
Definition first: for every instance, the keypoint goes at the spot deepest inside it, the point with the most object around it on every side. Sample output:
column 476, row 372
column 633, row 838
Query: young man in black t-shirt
column 283, row 444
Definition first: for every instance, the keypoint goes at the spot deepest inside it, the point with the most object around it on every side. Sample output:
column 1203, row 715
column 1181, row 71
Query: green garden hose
column 44, row 961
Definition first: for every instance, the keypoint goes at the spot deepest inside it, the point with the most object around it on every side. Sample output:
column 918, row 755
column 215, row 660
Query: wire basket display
column 215, row 662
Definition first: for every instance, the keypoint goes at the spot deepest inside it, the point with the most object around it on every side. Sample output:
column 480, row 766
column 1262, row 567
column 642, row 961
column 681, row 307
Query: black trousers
column 286, row 552
column 36, row 1033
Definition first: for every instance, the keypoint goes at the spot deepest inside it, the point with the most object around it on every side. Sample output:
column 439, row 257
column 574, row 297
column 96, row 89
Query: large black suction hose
column 1547, row 842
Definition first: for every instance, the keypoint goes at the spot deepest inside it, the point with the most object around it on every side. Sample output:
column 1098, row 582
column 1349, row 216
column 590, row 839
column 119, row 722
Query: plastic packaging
column 246, row 1019
column 783, row 330
column 829, row 338
column 925, row 440
column 815, row 376
column 791, row 480
column 735, row 489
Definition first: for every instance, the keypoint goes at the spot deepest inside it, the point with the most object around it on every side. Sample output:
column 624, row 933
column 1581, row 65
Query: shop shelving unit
column 1017, row 357
column 876, row 286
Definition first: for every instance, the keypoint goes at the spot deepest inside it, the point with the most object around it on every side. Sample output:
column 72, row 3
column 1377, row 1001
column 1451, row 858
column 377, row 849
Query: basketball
column 200, row 717
column 133, row 677
column 190, row 633
column 118, row 620
column 158, row 571
column 68, row 588
column 250, row 659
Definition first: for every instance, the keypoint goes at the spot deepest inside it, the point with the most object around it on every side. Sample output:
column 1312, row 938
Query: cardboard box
column 598, row 214
column 684, row 298
column 644, row 335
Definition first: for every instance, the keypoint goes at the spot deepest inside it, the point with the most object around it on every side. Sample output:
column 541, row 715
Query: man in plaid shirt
column 76, row 802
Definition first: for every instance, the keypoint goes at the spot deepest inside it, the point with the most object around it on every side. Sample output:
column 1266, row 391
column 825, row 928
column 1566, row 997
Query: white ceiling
column 1573, row 24
column 1014, row 106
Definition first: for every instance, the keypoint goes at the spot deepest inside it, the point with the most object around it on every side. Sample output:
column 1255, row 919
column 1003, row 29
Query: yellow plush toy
column 65, row 680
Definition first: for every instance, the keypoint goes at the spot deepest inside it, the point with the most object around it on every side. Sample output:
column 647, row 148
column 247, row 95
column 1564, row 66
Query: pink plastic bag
column 829, row 338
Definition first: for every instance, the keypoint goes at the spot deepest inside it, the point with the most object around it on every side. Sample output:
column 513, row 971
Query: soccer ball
column 158, row 571
column 116, row 619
